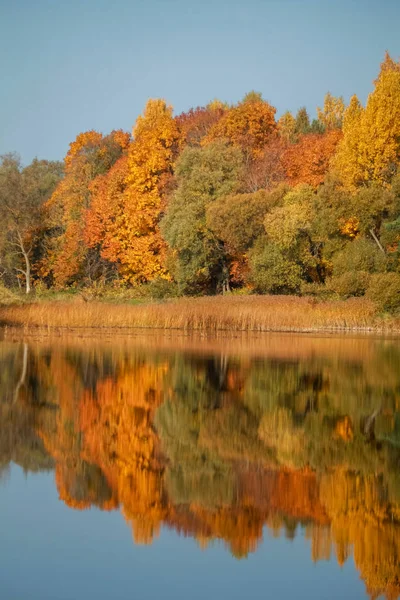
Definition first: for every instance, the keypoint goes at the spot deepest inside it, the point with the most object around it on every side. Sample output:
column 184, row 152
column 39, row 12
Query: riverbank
column 217, row 313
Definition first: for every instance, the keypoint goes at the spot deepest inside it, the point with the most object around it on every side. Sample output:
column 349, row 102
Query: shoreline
column 349, row 346
column 207, row 315
column 93, row 332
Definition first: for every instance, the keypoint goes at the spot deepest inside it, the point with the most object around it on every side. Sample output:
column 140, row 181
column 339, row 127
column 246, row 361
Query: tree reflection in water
column 220, row 446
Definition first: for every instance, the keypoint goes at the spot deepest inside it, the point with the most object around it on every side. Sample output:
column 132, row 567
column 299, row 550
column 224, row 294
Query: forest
column 219, row 199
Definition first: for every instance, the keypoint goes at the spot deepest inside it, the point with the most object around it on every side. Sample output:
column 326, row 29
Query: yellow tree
column 287, row 126
column 150, row 162
column 331, row 115
column 346, row 160
column 370, row 150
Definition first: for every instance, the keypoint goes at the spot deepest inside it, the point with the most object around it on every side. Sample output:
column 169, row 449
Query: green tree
column 238, row 219
column 23, row 192
column 203, row 175
column 271, row 271
column 290, row 228
column 302, row 124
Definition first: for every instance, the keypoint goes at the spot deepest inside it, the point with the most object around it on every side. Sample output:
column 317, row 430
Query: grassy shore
column 222, row 313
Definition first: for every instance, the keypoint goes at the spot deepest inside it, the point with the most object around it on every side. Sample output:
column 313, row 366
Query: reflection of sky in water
column 50, row 552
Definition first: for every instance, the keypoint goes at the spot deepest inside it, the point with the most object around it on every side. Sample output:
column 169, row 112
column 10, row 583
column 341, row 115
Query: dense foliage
column 216, row 199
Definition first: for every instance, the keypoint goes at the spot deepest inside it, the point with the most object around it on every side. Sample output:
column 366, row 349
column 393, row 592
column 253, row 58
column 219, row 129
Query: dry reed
column 223, row 313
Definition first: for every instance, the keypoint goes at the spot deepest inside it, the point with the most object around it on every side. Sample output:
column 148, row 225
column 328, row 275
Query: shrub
column 158, row 289
column 384, row 289
column 317, row 290
column 359, row 255
column 352, row 283
column 7, row 296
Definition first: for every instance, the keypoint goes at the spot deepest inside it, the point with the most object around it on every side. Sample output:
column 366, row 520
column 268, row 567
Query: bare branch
column 372, row 232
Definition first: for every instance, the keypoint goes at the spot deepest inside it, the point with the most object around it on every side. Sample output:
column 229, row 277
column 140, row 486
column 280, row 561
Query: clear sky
column 68, row 66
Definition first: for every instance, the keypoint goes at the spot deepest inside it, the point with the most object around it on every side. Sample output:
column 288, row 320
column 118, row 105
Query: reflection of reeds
column 252, row 313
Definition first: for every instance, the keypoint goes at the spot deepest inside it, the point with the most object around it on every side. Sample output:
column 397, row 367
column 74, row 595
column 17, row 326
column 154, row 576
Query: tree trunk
column 21, row 381
column 225, row 281
column 372, row 232
column 27, row 272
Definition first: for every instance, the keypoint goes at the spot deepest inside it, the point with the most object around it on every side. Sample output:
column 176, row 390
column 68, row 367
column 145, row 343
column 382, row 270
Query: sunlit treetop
column 248, row 125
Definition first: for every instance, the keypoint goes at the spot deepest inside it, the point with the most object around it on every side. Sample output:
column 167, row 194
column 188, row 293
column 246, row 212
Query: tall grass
column 223, row 313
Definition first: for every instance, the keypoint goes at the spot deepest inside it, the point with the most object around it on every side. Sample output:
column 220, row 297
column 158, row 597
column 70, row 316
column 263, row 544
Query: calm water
column 183, row 468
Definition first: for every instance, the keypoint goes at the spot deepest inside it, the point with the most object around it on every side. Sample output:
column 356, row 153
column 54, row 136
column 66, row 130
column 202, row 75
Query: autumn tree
column 346, row 159
column 331, row 115
column 106, row 210
column 248, row 125
column 203, row 175
column 287, row 126
column 309, row 159
column 370, row 149
column 195, row 124
column 23, row 192
column 128, row 201
column 89, row 156
column 141, row 249
column 266, row 170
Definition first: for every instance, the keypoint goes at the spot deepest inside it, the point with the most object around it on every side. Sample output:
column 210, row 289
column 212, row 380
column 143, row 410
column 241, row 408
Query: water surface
column 261, row 466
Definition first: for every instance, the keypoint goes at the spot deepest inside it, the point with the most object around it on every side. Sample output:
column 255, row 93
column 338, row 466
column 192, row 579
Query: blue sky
column 68, row 66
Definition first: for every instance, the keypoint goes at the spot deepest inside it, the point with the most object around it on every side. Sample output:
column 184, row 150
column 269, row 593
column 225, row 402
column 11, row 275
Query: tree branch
column 372, row 232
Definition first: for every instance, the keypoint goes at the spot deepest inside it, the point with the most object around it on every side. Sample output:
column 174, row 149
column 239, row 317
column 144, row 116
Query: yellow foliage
column 150, row 161
column 83, row 140
column 349, row 227
column 287, row 126
column 344, row 429
column 370, row 149
column 331, row 115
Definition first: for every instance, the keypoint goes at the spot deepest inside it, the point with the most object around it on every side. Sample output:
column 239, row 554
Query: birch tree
column 22, row 194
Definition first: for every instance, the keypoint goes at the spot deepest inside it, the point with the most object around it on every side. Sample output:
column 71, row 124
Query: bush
column 359, row 255
column 384, row 289
column 271, row 271
column 352, row 283
column 7, row 296
column 317, row 290
column 159, row 289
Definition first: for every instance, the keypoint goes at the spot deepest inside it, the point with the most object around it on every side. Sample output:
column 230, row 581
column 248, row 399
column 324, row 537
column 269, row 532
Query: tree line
column 217, row 199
